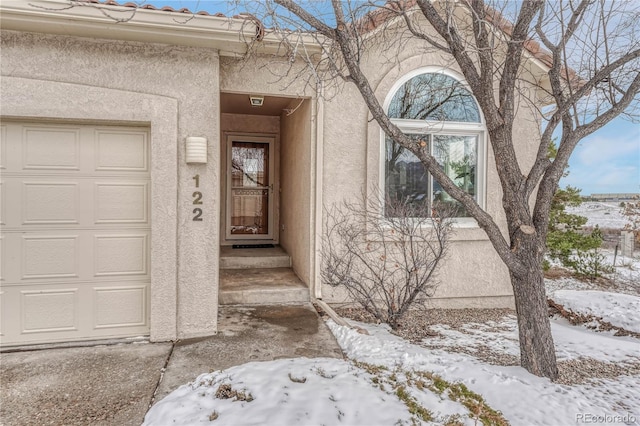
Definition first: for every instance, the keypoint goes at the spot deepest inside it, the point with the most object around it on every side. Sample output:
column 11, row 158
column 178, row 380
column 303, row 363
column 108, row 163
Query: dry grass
column 555, row 273
column 225, row 391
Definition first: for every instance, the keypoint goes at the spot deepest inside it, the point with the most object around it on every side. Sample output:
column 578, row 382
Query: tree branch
column 562, row 109
column 421, row 35
column 515, row 48
column 301, row 13
column 554, row 172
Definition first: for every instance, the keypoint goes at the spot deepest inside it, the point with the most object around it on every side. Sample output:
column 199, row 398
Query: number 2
column 197, row 197
column 197, row 212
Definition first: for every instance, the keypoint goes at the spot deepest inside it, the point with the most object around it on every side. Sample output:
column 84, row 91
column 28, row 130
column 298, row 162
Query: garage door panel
column 44, row 256
column 57, row 312
column 44, row 202
column 118, row 150
column 11, row 247
column 75, row 239
column 76, row 254
column 121, row 306
column 51, row 148
column 50, row 256
column 50, row 203
column 122, row 202
column 126, row 254
column 45, row 311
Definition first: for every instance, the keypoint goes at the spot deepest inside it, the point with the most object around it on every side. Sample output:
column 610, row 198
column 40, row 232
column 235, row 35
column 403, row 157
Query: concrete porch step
column 257, row 286
column 253, row 258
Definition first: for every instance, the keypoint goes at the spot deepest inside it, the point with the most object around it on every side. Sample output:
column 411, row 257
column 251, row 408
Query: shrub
column 386, row 263
column 591, row 262
column 568, row 243
column 564, row 237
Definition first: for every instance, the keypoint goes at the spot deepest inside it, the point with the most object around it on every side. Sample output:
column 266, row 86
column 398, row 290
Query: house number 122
column 197, row 200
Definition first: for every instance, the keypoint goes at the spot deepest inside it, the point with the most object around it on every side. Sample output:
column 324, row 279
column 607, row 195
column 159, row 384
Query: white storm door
column 250, row 188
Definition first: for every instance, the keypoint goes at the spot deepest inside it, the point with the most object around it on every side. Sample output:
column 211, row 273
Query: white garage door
column 75, row 232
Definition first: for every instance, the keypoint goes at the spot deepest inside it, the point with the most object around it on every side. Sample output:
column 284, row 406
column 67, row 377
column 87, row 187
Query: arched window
column 437, row 111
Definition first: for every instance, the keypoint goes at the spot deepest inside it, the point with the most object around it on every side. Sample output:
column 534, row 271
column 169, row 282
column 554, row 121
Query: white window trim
column 439, row 127
column 426, row 70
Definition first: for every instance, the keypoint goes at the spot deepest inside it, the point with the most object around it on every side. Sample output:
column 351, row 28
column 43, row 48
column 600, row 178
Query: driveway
column 115, row 385
column 102, row 385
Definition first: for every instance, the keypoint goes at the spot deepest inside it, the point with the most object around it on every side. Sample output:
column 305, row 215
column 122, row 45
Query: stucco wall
column 265, row 75
column 472, row 275
column 175, row 91
column 295, row 184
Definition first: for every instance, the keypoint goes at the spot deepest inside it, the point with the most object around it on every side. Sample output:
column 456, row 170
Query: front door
column 250, row 182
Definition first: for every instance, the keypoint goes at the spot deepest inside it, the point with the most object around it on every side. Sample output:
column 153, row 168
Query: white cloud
column 604, row 177
column 607, row 162
column 598, row 149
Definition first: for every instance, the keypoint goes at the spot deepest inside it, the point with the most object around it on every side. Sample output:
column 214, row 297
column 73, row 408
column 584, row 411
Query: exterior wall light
column 256, row 101
column 196, row 150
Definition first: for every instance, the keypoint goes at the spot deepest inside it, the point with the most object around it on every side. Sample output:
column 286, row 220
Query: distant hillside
column 605, row 215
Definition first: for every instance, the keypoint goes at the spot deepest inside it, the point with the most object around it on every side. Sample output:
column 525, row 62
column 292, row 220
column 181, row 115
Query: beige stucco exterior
column 472, row 275
column 296, row 235
column 328, row 148
column 174, row 90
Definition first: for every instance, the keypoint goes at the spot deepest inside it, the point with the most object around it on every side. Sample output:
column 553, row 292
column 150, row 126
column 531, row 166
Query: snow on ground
column 297, row 391
column 630, row 265
column 620, row 310
column 571, row 342
column 624, row 279
column 605, row 215
column 578, row 342
column 524, row 399
column 323, row 391
column 326, row 391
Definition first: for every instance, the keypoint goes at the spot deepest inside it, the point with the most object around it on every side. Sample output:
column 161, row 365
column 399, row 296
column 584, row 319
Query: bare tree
column 386, row 261
column 591, row 53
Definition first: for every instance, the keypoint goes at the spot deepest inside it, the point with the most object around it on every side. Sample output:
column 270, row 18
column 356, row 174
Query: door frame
column 271, row 141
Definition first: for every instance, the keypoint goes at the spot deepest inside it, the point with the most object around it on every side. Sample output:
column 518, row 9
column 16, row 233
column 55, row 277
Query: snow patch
column 621, row 310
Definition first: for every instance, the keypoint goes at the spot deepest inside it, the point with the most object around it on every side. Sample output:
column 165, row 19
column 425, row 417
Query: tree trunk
column 537, row 352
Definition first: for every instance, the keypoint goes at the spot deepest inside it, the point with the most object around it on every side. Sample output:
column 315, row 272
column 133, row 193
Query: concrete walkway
column 114, row 385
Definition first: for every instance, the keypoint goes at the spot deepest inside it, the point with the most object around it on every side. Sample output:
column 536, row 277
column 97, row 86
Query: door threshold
column 251, row 246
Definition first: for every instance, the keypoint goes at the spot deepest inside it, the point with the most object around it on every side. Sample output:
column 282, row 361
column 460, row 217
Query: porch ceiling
column 238, row 103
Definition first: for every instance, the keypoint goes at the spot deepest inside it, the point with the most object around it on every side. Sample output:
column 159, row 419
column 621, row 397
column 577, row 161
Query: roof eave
column 230, row 36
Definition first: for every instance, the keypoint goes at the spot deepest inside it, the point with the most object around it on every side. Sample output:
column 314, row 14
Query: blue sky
column 606, row 161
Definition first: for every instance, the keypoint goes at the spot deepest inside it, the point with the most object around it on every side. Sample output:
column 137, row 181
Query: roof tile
column 393, row 8
column 169, row 9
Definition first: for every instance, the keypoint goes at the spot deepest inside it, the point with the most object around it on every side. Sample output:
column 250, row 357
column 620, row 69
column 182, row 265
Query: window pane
column 458, row 157
column 435, row 97
column 406, row 180
column 249, row 195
